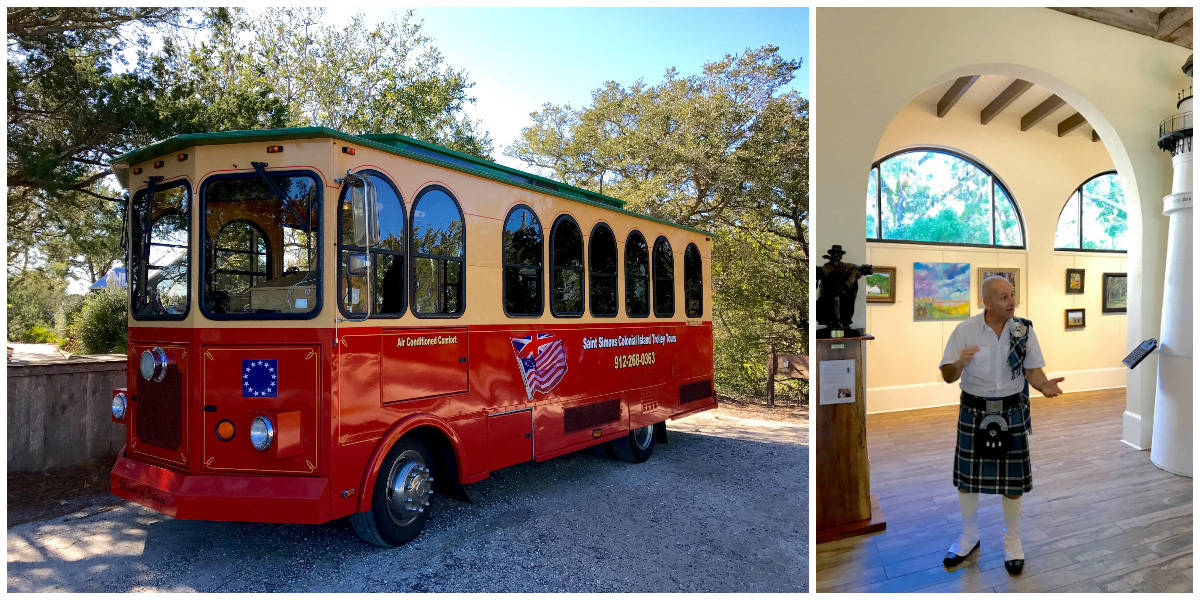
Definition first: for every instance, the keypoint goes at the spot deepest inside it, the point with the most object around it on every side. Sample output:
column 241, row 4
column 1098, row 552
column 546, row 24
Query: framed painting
column 941, row 291
column 881, row 285
column 1073, row 318
column 1074, row 281
column 1012, row 275
column 1114, row 286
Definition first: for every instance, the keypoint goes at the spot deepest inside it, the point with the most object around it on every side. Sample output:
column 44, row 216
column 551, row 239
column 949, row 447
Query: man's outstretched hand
column 1050, row 389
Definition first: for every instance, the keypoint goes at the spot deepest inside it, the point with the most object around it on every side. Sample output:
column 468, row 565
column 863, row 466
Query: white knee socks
column 968, row 503
column 1012, row 528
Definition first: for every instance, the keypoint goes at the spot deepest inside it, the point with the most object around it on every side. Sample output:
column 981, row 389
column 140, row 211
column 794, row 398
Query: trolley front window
column 275, row 274
column 160, row 254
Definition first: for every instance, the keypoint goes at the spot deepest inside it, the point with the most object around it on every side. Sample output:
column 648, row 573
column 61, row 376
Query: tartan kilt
column 1011, row 474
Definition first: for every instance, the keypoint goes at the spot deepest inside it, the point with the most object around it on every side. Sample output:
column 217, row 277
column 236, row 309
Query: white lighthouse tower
column 1171, row 446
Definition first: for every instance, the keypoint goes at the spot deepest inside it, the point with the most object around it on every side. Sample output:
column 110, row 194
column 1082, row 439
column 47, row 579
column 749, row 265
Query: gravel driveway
column 723, row 507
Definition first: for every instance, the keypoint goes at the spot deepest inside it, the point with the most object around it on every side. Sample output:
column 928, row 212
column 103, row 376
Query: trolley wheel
column 634, row 447
column 400, row 500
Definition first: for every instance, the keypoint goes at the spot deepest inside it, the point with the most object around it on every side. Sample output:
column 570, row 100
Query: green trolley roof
column 393, row 143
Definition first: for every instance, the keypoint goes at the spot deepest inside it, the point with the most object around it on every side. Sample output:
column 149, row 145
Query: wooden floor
column 1100, row 517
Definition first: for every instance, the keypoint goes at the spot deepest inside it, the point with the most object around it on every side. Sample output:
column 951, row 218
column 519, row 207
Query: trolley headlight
column 262, row 433
column 119, row 404
column 153, row 365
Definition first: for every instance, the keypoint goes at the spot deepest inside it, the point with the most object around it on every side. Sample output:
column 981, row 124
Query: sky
column 522, row 58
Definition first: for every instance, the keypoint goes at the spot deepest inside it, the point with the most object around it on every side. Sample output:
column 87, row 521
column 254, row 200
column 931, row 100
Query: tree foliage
column 358, row 78
column 726, row 151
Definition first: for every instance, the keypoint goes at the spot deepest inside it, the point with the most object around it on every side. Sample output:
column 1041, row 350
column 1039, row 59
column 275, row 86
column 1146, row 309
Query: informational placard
column 836, row 381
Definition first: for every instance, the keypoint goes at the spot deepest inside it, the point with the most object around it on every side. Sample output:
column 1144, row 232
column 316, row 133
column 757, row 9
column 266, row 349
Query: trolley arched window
column 664, row 279
column 242, row 257
column 936, row 196
column 1094, row 218
column 693, row 282
column 438, row 254
column 387, row 252
column 566, row 268
column 637, row 276
column 522, row 263
column 602, row 271
column 161, row 273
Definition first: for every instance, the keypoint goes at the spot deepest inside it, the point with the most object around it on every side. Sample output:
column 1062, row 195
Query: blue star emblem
column 260, row 378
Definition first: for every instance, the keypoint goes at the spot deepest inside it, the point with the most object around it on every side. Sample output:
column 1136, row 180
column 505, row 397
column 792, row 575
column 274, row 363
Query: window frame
column 343, row 246
column 558, row 221
column 654, row 271
column 616, row 275
column 692, row 248
column 648, row 277
column 995, row 180
column 413, row 256
column 318, row 259
column 1079, row 190
column 505, row 265
column 262, row 234
column 186, row 184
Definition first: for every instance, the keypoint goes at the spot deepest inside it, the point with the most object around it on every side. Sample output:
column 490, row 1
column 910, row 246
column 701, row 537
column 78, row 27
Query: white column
column 1171, row 447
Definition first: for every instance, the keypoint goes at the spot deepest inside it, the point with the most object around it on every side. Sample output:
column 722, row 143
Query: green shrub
column 101, row 324
column 65, row 317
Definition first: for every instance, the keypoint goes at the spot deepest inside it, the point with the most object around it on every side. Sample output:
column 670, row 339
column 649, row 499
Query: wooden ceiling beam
column 1137, row 20
column 1172, row 19
column 1040, row 112
column 1001, row 102
column 1095, row 136
column 1070, row 124
column 952, row 95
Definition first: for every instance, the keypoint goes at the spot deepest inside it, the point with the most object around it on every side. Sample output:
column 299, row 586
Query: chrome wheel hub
column 642, row 438
column 410, row 486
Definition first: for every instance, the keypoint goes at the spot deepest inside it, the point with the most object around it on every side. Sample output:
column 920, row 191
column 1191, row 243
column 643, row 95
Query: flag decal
column 542, row 360
column 260, row 378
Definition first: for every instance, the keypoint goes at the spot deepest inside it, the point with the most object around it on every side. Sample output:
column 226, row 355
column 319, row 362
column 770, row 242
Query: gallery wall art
column 1115, row 287
column 941, row 291
column 881, row 285
column 1074, row 281
column 1012, row 275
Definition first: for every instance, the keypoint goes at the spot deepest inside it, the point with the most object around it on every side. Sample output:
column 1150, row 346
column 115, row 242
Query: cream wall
column 1041, row 171
column 870, row 63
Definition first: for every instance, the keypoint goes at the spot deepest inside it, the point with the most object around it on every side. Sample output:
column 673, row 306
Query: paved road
column 723, row 507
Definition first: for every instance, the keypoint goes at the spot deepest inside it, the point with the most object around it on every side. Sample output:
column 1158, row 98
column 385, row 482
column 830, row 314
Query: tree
column 384, row 78
column 725, row 151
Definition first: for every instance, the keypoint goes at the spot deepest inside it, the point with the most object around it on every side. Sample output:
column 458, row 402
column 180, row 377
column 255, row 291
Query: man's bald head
column 997, row 295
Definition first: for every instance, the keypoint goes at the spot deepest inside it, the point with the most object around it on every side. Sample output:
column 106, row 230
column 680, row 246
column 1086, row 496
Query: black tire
column 636, row 446
column 395, row 520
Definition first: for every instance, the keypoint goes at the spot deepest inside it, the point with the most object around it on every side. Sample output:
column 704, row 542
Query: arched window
column 936, row 196
column 637, row 276
column 522, row 263
column 242, row 258
column 693, row 282
column 602, row 271
column 161, row 272
column 387, row 253
column 438, row 254
column 1094, row 218
column 566, row 268
column 664, row 278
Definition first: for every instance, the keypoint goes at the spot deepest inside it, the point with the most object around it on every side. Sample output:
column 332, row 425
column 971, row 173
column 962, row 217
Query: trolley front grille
column 159, row 420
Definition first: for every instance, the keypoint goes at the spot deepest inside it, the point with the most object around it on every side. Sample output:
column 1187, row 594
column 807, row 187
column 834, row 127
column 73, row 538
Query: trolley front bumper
column 256, row 498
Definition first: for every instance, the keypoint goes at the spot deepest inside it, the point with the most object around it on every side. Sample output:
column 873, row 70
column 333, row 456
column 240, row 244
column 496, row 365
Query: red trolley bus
column 325, row 325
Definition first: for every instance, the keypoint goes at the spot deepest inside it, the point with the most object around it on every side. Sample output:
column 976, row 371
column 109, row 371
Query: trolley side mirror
column 356, row 264
column 365, row 212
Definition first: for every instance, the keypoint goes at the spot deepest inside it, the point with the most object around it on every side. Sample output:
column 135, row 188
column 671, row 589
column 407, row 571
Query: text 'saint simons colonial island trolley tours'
column 325, row 325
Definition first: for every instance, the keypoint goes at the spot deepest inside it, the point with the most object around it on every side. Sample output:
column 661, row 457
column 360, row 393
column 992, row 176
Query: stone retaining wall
column 60, row 411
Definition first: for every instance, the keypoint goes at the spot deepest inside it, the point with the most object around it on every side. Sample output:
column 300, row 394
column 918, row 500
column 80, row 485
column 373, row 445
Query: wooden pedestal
column 845, row 505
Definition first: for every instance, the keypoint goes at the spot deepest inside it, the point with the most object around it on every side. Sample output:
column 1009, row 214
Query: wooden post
column 845, row 506
column 771, row 368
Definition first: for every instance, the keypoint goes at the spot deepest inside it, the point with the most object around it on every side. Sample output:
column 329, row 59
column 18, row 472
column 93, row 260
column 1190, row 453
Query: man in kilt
column 997, row 357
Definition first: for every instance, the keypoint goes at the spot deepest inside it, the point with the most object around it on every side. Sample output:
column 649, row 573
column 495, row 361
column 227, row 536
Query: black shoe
column 1014, row 566
column 953, row 560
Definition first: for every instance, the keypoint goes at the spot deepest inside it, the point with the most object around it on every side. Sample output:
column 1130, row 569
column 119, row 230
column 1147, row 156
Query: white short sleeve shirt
column 988, row 374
